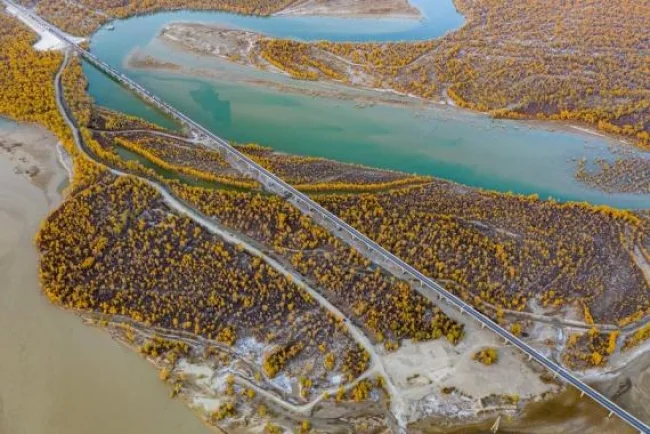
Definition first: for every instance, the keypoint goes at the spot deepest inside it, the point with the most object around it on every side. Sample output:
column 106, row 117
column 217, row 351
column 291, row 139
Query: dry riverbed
column 354, row 8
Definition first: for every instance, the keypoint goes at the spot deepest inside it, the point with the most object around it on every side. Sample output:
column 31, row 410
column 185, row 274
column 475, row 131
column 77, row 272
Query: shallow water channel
column 247, row 105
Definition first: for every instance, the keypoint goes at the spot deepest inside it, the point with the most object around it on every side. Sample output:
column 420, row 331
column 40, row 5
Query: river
column 57, row 375
column 470, row 148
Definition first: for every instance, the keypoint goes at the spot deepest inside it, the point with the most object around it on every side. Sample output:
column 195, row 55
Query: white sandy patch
column 194, row 369
column 251, row 347
column 202, row 373
column 47, row 41
column 336, row 379
column 421, row 370
column 407, row 368
column 507, row 376
column 207, row 404
column 282, row 382
column 587, row 130
column 65, row 160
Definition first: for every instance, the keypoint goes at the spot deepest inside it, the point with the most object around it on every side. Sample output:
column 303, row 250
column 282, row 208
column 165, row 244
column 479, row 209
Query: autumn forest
column 241, row 299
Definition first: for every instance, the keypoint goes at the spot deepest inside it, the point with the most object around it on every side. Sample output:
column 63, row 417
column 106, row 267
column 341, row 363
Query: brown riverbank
column 56, row 374
column 564, row 413
column 353, row 9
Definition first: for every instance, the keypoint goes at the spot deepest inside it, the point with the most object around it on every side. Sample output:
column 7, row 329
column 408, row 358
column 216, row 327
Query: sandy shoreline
column 27, row 148
column 58, row 376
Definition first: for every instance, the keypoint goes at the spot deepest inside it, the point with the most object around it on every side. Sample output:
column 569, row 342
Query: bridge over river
column 374, row 252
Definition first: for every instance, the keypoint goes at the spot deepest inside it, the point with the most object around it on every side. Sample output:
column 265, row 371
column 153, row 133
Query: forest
column 505, row 251
column 585, row 62
column 95, row 245
column 26, row 80
column 389, row 309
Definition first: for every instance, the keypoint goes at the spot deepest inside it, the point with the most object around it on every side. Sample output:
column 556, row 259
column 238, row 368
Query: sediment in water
column 56, row 374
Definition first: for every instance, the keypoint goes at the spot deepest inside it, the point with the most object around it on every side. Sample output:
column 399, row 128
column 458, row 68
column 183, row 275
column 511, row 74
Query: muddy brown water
column 57, row 375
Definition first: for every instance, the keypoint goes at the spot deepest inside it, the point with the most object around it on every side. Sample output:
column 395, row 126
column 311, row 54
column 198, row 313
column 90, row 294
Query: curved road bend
column 341, row 229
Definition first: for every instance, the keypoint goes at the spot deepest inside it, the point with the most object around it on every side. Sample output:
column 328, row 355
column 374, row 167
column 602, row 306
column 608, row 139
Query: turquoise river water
column 238, row 103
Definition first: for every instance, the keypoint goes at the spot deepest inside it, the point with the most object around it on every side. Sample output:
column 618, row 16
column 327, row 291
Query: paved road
column 339, row 228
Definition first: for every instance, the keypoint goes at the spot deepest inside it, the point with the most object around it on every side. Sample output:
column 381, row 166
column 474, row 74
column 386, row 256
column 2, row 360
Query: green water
column 129, row 155
column 431, row 140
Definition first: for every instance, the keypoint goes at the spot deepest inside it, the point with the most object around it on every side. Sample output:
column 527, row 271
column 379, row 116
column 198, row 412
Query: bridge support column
column 530, row 357
column 582, row 394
